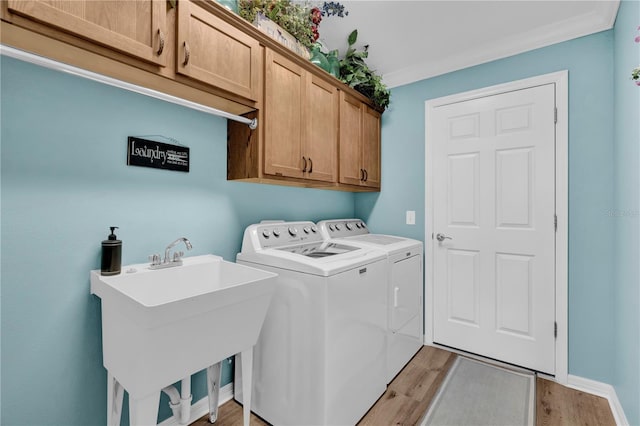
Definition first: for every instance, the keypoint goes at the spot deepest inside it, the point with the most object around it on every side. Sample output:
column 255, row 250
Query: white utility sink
column 159, row 326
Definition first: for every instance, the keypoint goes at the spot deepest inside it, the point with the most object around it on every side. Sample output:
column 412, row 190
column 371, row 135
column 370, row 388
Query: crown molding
column 602, row 17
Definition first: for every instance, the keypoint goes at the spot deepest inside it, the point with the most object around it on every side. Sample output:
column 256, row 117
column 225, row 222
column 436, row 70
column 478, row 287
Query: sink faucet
column 168, row 260
column 173, row 244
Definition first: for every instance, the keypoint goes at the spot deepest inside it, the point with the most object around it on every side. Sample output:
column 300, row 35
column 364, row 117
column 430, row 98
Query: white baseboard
column 201, row 407
column 600, row 389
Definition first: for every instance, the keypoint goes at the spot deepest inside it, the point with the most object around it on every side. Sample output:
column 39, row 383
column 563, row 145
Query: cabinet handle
column 161, row 46
column 366, row 175
column 187, row 54
column 310, row 165
column 304, row 169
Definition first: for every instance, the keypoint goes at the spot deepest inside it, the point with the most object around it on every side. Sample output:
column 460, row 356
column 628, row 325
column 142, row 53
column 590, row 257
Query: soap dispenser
column 111, row 254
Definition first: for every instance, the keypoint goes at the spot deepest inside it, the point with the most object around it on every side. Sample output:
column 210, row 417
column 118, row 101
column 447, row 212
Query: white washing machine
column 405, row 283
column 321, row 355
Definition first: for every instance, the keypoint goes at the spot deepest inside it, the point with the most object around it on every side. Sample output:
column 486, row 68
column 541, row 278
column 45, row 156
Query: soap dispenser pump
column 111, row 254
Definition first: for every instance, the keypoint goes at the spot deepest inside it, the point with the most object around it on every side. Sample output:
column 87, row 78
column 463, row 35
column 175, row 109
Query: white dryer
column 405, row 274
column 321, row 355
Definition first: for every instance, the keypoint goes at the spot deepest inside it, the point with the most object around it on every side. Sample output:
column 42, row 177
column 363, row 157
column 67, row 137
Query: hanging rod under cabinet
column 70, row 69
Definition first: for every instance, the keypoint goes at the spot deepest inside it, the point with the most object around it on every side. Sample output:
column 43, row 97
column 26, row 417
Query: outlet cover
column 411, row 217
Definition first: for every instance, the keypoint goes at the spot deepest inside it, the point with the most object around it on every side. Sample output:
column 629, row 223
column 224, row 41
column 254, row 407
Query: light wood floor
column 409, row 394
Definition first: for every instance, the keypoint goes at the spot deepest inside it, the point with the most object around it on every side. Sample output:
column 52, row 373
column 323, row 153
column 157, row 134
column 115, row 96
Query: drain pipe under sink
column 180, row 402
column 185, row 400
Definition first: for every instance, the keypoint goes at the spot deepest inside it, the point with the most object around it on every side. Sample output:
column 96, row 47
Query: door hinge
column 555, row 115
column 555, row 329
column 555, row 222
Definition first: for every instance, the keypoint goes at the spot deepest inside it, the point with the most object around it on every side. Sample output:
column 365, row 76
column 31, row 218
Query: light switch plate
column 411, row 217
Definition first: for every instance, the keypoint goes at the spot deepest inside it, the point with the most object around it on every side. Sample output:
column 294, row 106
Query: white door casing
column 495, row 181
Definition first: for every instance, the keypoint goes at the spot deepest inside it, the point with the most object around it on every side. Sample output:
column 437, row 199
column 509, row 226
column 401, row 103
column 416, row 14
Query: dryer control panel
column 342, row 228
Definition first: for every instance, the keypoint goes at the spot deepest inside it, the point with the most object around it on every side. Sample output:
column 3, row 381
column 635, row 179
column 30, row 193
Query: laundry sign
column 157, row 155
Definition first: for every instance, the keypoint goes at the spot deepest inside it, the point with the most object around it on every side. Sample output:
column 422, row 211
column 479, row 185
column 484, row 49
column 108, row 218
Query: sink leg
column 144, row 411
column 115, row 395
column 246, row 358
column 213, row 388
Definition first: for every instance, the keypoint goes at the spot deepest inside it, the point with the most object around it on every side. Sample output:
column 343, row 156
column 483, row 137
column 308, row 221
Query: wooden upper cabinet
column 134, row 27
column 321, row 122
column 283, row 116
column 351, row 171
column 214, row 52
column 359, row 143
column 313, row 131
column 371, row 146
column 301, row 122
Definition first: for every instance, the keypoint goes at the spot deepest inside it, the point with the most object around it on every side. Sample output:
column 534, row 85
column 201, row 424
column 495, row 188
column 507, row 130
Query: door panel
column 494, row 195
column 322, row 137
column 513, row 295
column 350, row 137
column 284, row 117
column 514, row 180
column 371, row 147
column 215, row 52
column 463, row 287
column 464, row 195
column 135, row 27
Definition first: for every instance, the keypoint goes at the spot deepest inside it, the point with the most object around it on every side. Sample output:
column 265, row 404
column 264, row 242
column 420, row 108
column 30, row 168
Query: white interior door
column 494, row 205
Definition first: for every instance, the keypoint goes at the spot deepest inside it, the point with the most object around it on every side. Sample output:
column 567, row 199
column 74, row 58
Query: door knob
column 442, row 237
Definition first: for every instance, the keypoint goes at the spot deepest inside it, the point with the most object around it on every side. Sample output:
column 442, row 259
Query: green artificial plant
column 293, row 16
column 356, row 73
column 327, row 61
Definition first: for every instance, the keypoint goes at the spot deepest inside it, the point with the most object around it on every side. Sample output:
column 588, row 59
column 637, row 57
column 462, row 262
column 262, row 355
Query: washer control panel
column 276, row 234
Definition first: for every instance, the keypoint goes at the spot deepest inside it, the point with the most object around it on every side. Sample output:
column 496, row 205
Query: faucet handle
column 177, row 256
column 154, row 259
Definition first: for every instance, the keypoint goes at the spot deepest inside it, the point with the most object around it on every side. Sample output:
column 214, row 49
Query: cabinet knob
column 161, row 42
column 187, row 54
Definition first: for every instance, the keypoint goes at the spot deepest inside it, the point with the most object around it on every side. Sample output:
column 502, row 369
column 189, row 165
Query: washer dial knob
column 306, row 229
column 338, row 227
column 314, row 229
column 293, row 231
column 266, row 233
column 276, row 232
column 349, row 226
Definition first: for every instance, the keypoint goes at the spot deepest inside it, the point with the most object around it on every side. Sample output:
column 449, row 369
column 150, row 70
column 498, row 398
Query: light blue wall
column 626, row 285
column 64, row 182
column 590, row 64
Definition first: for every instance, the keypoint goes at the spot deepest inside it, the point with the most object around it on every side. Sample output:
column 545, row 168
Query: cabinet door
column 134, row 27
column 214, row 52
column 351, row 171
column 371, row 147
column 321, row 123
column 283, row 116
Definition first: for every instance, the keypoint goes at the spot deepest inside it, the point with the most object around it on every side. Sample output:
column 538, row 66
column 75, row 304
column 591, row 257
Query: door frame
column 561, row 80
